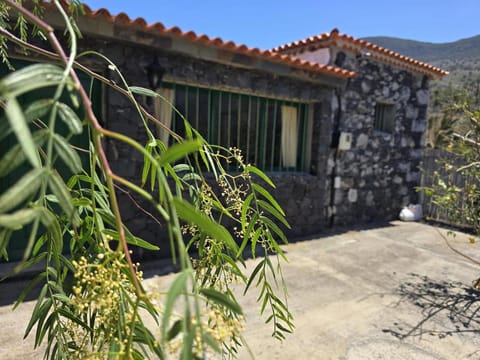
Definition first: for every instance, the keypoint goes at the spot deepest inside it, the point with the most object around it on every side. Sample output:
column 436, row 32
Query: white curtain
column 163, row 108
column 289, row 136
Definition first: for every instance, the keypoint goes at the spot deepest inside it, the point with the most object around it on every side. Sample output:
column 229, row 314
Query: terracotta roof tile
column 350, row 43
column 219, row 43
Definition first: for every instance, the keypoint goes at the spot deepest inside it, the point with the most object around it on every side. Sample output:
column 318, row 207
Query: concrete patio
column 390, row 292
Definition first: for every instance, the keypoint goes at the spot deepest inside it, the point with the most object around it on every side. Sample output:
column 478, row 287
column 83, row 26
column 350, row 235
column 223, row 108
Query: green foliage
column 92, row 302
column 456, row 188
column 447, row 114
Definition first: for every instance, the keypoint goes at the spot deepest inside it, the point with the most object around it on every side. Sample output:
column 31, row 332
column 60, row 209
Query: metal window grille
column 250, row 123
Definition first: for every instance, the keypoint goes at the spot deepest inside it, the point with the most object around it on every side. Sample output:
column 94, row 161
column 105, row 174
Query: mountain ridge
column 435, row 53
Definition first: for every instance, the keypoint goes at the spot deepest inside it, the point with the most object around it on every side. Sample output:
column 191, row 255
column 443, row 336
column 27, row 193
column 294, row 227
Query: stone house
column 378, row 127
column 338, row 123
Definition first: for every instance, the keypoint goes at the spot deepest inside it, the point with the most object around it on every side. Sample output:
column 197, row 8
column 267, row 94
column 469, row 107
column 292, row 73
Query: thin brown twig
column 129, row 195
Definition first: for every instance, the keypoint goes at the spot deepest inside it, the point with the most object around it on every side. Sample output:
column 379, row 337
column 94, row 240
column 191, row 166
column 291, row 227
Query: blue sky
column 266, row 24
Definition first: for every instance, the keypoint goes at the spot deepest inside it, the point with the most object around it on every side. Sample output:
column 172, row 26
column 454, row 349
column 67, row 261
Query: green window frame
column 251, row 123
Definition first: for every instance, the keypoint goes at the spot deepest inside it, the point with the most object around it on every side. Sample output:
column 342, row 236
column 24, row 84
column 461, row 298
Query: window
column 271, row 133
column 384, row 117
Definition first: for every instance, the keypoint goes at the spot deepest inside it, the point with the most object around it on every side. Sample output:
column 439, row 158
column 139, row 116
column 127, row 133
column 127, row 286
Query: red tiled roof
column 218, row 43
column 348, row 42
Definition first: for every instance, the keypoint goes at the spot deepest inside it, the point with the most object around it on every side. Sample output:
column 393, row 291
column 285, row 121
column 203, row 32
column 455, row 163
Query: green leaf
column 70, row 118
column 5, row 236
column 30, row 78
column 42, row 330
column 255, row 271
column 65, row 311
column 33, row 111
column 50, row 221
column 60, row 190
column 187, row 348
column 133, row 240
column 26, row 186
column 143, row 91
column 255, row 238
column 247, row 232
column 15, row 156
column 283, row 328
column 267, row 207
column 221, row 299
column 18, row 219
column 245, row 208
column 272, row 226
column 211, row 342
column 69, row 156
column 176, row 289
column 235, row 269
column 26, row 264
column 39, row 313
column 146, row 165
column 174, row 330
column 22, row 132
column 183, row 167
column 261, row 190
column 260, row 173
column 189, row 213
column 179, row 151
column 29, row 288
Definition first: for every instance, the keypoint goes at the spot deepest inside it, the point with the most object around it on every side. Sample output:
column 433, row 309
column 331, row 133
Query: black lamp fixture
column 155, row 74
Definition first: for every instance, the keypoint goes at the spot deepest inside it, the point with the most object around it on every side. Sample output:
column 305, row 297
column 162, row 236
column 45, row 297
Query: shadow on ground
column 447, row 308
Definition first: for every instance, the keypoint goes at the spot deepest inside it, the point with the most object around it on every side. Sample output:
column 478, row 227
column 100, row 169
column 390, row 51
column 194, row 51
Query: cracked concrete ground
column 390, row 292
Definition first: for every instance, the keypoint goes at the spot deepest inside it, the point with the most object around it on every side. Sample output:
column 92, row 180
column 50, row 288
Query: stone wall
column 378, row 175
column 302, row 195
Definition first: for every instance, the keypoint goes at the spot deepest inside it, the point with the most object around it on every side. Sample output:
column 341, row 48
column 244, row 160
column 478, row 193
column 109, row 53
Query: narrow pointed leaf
column 261, row 190
column 221, row 299
column 261, row 174
column 253, row 275
column 179, row 151
column 16, row 157
column 146, row 166
column 247, row 233
column 29, row 288
column 70, row 118
column 176, row 289
column 18, row 218
column 22, row 132
column 272, row 226
column 143, row 91
column 132, row 240
column 51, row 223
column 26, row 186
column 69, row 156
column 60, row 190
column 189, row 213
column 174, row 330
column 30, row 78
column 33, row 111
column 38, row 313
column 273, row 211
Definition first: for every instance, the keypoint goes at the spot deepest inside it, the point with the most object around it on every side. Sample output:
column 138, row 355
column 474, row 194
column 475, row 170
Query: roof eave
column 102, row 24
